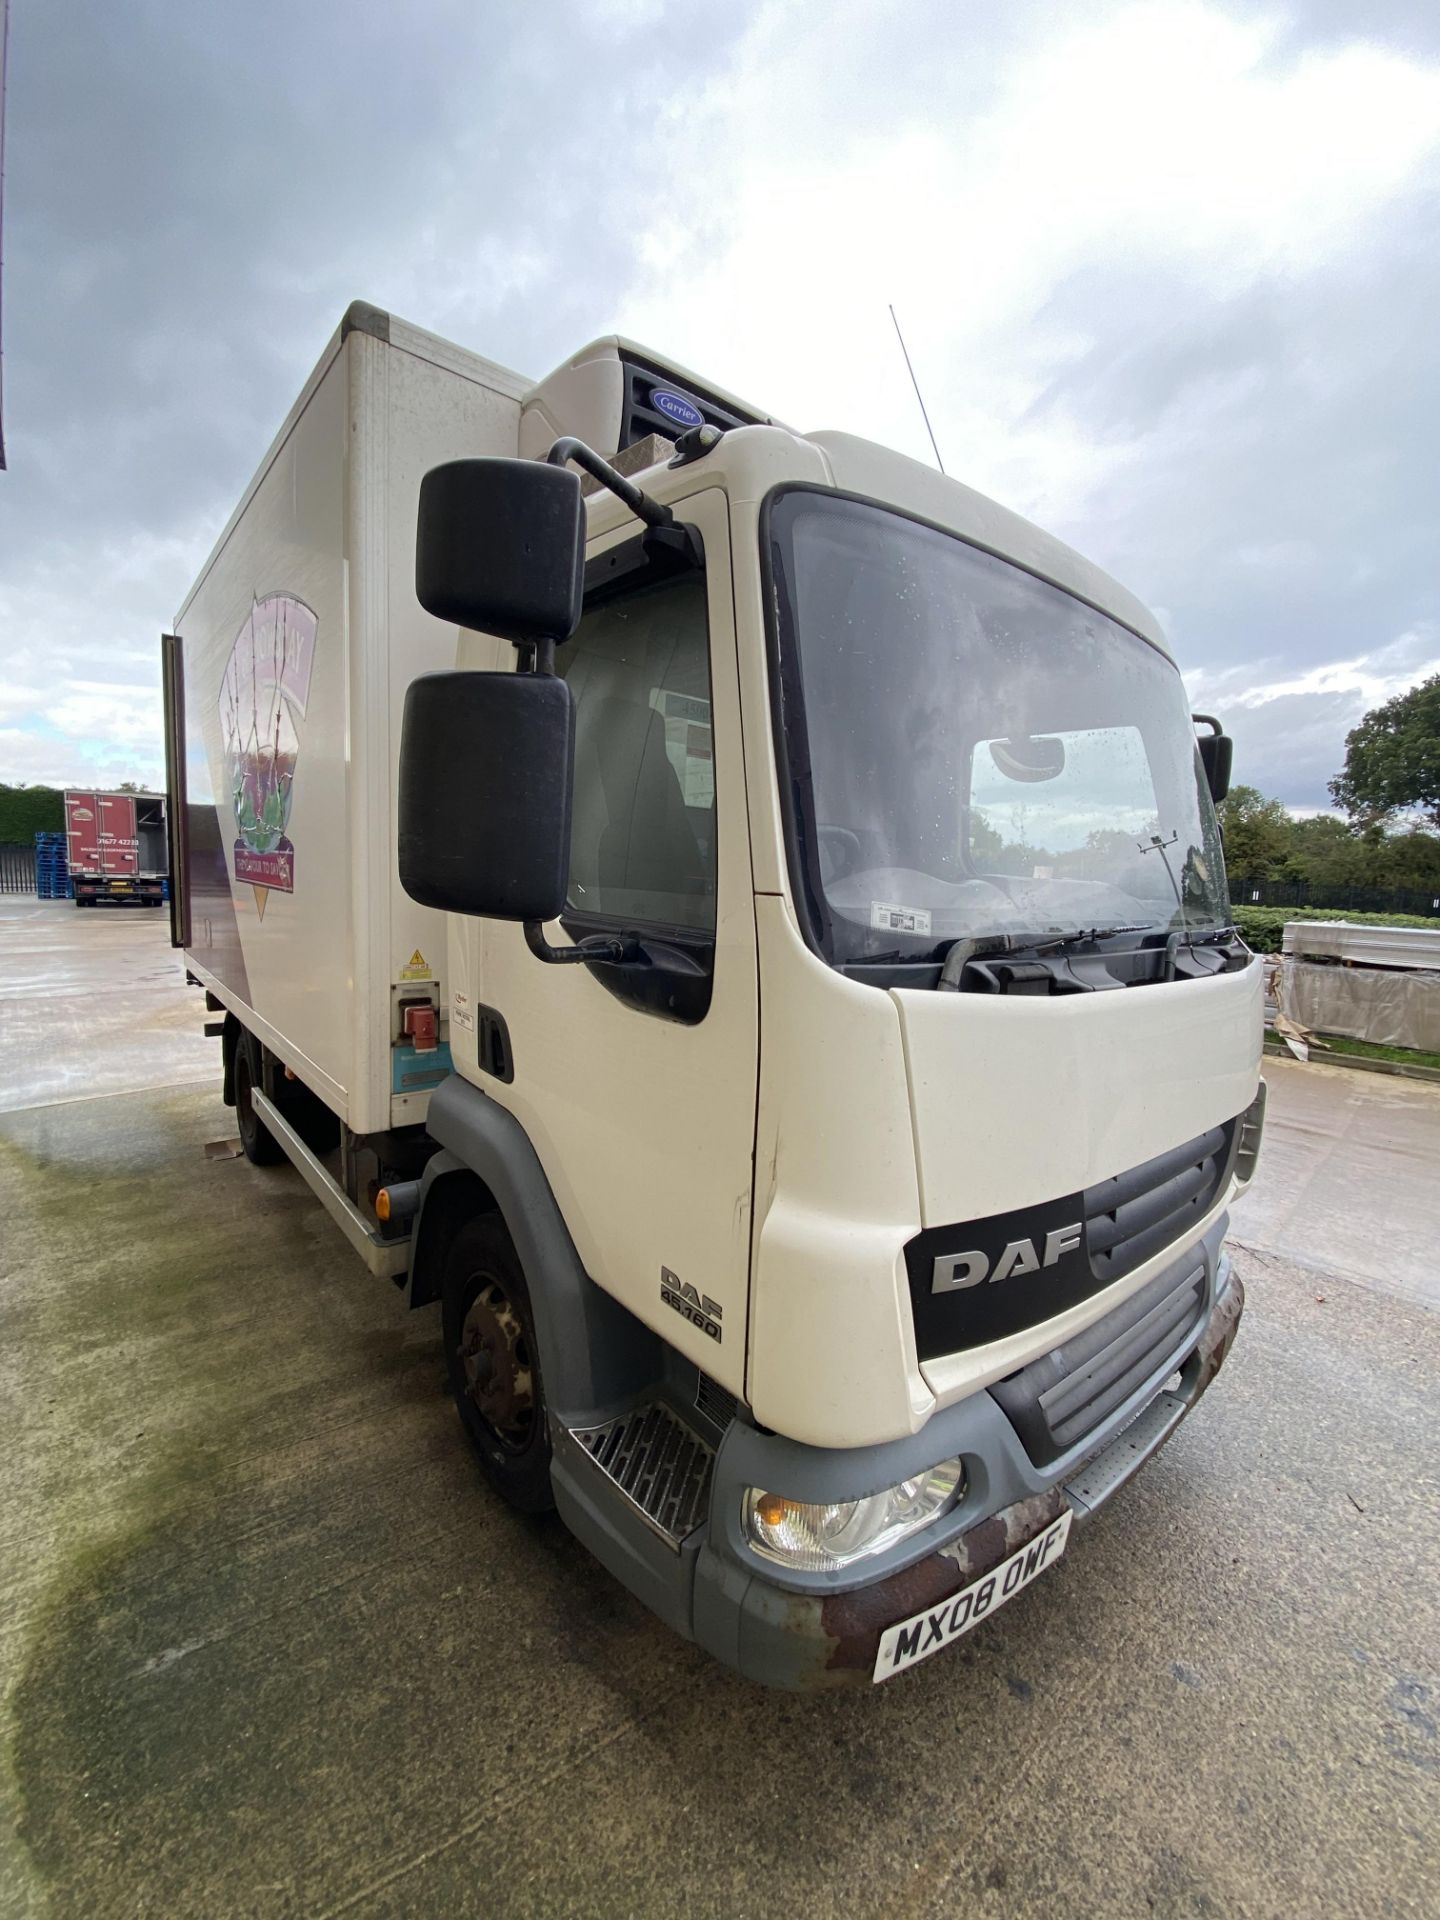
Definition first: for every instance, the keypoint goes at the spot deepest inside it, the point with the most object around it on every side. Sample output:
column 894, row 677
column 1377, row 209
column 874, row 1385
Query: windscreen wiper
column 1206, row 953
column 1031, row 962
column 988, row 943
column 1209, row 936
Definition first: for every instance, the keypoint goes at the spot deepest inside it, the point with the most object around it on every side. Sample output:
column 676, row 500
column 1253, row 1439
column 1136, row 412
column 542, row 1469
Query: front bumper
column 786, row 1635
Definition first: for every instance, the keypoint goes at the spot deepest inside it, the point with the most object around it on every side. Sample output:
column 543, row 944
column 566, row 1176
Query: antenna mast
column 918, row 395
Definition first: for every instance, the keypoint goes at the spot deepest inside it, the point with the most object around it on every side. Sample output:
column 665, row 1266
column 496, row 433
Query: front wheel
column 493, row 1363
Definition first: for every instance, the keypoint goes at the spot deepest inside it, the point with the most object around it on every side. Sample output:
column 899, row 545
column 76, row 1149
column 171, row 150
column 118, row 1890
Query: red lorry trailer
column 117, row 848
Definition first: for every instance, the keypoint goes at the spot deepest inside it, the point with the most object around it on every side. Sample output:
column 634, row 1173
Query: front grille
column 1139, row 1213
column 714, row 1403
column 658, row 1463
column 1066, row 1394
column 982, row 1280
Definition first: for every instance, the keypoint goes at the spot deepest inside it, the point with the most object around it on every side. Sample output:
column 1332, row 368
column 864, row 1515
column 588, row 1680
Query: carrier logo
column 698, row 1308
column 952, row 1271
column 676, row 407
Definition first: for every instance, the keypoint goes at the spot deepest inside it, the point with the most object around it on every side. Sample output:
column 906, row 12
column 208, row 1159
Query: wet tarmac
column 269, row 1645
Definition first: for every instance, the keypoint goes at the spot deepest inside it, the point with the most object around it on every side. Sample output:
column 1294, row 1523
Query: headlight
column 818, row 1537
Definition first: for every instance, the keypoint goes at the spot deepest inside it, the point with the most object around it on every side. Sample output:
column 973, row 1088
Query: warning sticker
column 416, row 968
column 892, row 919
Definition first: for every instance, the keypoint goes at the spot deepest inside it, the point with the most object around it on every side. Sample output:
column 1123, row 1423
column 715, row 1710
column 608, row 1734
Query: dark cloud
column 195, row 193
column 1282, row 502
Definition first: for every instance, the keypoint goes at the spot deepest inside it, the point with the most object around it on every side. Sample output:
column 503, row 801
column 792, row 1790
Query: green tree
column 1410, row 860
column 1327, row 852
column 1392, row 759
column 985, row 842
column 1257, row 833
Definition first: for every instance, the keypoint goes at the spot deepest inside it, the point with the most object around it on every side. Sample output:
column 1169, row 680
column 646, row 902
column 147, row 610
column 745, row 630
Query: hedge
column 26, row 811
column 1262, row 928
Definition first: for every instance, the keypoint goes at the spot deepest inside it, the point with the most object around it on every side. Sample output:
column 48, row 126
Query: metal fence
column 1300, row 893
column 17, row 869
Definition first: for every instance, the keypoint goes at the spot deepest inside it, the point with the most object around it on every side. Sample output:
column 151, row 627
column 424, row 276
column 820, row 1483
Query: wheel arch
column 450, row 1195
column 593, row 1351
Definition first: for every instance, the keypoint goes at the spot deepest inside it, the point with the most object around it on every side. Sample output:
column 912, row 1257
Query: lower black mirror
column 1217, row 751
column 486, row 766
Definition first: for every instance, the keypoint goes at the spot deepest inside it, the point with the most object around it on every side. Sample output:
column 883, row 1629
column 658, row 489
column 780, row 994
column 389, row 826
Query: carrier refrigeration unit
column 736, row 921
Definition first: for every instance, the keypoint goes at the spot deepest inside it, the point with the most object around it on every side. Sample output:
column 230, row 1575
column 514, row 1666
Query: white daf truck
column 744, row 932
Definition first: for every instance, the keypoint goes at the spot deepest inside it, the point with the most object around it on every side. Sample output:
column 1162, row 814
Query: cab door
column 637, row 1083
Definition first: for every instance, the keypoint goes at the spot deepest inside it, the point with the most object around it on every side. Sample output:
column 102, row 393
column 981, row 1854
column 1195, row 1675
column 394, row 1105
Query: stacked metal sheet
column 1364, row 946
column 1375, row 983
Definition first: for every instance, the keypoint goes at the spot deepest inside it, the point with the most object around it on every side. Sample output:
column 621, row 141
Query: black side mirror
column 500, row 546
column 485, row 784
column 1217, row 750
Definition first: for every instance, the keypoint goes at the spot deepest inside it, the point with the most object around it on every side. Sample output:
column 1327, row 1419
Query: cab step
column 661, row 1466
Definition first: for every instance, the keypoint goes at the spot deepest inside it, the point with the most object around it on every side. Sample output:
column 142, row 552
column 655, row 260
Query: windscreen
column 972, row 751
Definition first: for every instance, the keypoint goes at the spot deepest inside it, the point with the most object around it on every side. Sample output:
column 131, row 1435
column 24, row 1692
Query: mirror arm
column 678, row 545
column 1207, row 720
column 535, row 657
column 640, row 504
column 598, row 947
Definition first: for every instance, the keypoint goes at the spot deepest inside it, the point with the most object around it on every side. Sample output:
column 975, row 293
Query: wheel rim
column 495, row 1365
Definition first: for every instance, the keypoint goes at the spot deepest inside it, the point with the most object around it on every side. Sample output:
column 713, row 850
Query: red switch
column 421, row 1026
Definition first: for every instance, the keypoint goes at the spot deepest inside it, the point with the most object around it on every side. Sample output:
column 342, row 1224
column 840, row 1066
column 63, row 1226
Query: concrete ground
column 1350, row 1183
column 92, row 1002
column 269, row 1645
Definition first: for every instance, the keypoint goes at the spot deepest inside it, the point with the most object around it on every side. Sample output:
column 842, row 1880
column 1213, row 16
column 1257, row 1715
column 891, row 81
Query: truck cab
column 736, row 921
column 881, row 1115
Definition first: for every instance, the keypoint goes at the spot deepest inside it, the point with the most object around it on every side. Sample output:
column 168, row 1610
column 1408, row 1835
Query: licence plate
column 915, row 1639
column 120, row 886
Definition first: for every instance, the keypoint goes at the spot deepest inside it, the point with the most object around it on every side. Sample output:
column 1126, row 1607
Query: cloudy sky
column 1167, row 268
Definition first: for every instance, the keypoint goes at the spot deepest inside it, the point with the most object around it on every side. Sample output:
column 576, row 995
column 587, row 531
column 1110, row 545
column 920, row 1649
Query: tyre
column 260, row 1145
column 493, row 1363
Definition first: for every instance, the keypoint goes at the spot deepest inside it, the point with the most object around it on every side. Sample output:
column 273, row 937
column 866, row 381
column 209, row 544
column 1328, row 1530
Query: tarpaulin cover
column 1381, row 1005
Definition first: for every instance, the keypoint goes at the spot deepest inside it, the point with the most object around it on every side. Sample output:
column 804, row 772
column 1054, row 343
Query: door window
column 642, row 838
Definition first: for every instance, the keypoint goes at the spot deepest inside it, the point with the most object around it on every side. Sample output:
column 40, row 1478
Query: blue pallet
column 52, row 866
